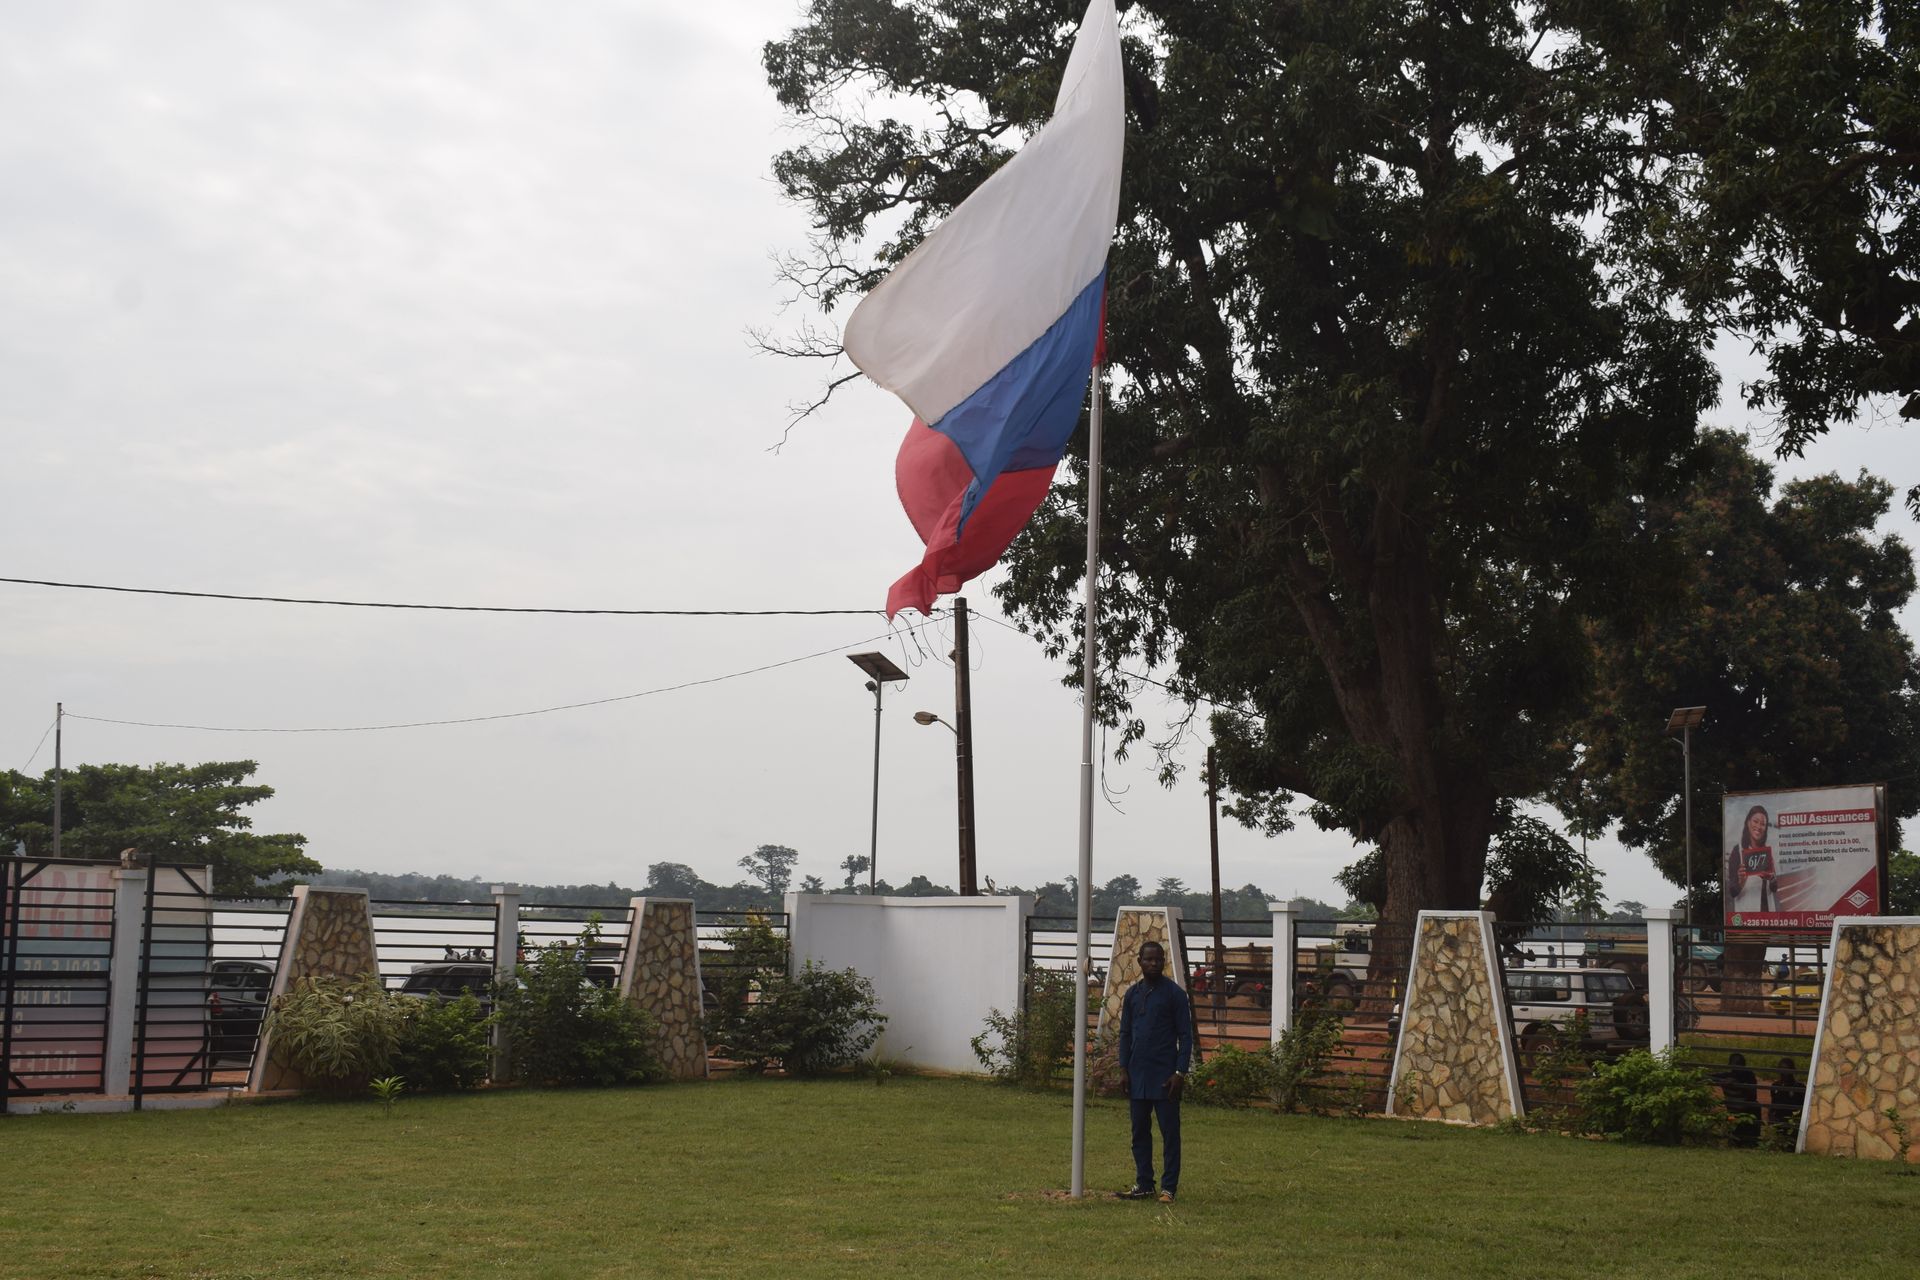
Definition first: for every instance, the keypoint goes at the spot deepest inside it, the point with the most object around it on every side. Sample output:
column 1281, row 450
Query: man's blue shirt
column 1156, row 1036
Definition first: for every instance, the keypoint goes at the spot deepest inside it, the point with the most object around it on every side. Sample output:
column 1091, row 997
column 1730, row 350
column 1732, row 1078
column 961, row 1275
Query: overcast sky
column 448, row 302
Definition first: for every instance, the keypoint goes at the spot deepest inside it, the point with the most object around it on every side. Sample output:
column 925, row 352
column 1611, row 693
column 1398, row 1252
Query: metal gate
column 56, row 955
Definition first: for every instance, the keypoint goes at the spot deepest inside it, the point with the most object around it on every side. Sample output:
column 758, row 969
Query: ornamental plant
column 340, row 1033
column 562, row 1029
column 1650, row 1097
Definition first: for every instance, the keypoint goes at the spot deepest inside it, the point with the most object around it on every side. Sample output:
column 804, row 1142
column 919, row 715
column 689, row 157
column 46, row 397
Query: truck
column 1336, row 969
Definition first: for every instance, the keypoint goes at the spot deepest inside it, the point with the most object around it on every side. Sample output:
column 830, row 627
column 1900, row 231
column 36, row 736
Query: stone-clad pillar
column 329, row 934
column 660, row 972
column 1133, row 928
column 1455, row 1058
column 1866, row 1049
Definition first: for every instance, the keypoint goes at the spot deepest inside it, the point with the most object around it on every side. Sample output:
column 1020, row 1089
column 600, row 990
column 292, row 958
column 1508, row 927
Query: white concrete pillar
column 1660, row 985
column 123, row 980
column 797, row 941
column 1285, row 947
column 506, row 954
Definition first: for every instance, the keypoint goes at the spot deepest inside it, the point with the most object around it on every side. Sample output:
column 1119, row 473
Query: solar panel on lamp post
column 883, row 670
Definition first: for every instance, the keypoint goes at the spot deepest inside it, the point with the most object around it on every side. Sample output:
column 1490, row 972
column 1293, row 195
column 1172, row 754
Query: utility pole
column 1213, row 843
column 59, row 722
column 963, row 748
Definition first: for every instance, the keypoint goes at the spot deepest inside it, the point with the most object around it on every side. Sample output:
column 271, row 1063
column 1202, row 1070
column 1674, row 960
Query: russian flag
column 990, row 328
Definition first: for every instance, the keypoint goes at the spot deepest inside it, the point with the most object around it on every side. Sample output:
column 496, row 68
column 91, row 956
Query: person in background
column 1156, row 1045
column 1786, row 1098
column 1742, row 1093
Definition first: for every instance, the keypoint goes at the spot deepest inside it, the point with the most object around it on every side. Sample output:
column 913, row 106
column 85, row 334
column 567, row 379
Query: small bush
column 756, row 955
column 561, row 1029
column 1301, row 1055
column 1562, row 1056
column 339, row 1033
column 1234, row 1077
column 817, row 1021
column 443, row 1046
column 1646, row 1097
column 1035, row 1044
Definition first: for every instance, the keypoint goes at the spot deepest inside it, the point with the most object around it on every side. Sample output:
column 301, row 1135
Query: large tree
column 181, row 813
column 1785, row 627
column 772, row 866
column 1383, row 373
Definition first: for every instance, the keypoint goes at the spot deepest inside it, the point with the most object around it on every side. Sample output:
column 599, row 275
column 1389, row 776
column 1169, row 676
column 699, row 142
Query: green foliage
column 339, row 1033
column 817, row 1021
column 1289, row 1074
column 1902, row 1135
column 561, row 1029
column 1301, row 1055
column 1783, row 134
column 1034, row 1044
column 1647, row 1097
column 1903, row 883
column 183, row 813
column 1386, row 376
column 755, row 956
column 772, row 866
column 443, row 1045
column 388, row 1089
column 1562, row 1056
column 1233, row 1077
column 1785, row 625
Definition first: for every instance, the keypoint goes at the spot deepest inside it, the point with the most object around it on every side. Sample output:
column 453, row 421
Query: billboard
column 1797, row 859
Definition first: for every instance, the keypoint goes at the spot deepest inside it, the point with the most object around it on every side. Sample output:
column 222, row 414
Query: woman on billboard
column 1750, row 865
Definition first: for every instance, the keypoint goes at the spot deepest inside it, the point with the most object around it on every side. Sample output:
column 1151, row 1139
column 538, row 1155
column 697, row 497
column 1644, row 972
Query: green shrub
column 1646, row 1097
column 1234, row 1077
column 816, row 1021
column 756, row 955
column 339, row 1033
column 1035, row 1044
column 442, row 1046
column 1301, row 1055
column 1562, row 1056
column 561, row 1029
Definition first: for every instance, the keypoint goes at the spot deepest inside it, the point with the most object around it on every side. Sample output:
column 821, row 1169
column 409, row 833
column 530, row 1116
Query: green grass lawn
column 919, row 1177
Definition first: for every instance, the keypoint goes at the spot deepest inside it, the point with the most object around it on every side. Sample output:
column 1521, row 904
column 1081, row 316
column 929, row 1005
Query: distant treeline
column 676, row 880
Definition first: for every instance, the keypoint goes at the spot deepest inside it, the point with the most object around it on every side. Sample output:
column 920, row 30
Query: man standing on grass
column 1156, row 1043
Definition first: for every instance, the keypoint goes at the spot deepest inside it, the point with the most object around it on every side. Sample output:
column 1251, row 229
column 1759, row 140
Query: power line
column 504, row 715
column 446, row 608
column 36, row 746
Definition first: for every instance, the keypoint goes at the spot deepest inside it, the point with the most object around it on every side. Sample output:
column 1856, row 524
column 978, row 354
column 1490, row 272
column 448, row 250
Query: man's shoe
column 1134, row 1192
column 1166, row 1197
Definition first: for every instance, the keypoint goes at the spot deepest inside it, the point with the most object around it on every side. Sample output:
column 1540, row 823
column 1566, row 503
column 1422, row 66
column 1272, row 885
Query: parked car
column 1541, row 999
column 1800, row 993
column 237, row 995
column 451, row 979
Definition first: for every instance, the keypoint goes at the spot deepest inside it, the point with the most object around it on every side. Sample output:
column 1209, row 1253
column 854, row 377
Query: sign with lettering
column 1797, row 859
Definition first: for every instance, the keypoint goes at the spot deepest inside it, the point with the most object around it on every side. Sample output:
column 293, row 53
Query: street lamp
column 963, row 764
column 883, row 671
column 1685, row 720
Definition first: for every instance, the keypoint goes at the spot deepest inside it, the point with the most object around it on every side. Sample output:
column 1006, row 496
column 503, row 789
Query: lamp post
column 964, row 765
column 1685, row 720
column 882, row 669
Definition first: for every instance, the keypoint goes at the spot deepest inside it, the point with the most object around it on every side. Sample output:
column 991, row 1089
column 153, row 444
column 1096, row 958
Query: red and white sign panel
column 1797, row 859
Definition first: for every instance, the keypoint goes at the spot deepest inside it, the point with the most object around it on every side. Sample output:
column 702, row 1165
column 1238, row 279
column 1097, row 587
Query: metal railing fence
column 56, row 955
column 1745, row 1007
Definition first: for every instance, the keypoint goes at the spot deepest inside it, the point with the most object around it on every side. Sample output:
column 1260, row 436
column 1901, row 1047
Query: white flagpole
column 1089, row 683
